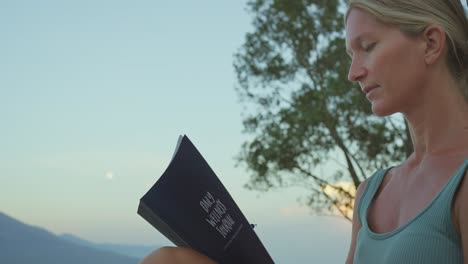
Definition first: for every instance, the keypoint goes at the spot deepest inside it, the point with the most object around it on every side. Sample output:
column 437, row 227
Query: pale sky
column 94, row 95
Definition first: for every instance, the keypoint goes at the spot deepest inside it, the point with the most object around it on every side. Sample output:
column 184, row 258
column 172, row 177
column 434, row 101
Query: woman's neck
column 439, row 125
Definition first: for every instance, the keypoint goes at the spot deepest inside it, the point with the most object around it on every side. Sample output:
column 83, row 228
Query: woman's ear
column 434, row 37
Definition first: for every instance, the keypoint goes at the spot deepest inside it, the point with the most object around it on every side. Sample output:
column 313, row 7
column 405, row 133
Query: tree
column 302, row 112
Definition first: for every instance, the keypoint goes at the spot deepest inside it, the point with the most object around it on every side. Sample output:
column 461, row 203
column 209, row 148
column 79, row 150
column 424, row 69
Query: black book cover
column 192, row 208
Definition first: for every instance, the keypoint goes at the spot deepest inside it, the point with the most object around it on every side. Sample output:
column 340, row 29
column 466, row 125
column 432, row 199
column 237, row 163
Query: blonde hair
column 413, row 16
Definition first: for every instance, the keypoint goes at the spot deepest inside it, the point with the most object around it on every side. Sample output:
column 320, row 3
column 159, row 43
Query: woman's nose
column 356, row 72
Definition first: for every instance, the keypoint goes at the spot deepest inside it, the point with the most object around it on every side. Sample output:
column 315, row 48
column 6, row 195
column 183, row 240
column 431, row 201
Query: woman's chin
column 380, row 109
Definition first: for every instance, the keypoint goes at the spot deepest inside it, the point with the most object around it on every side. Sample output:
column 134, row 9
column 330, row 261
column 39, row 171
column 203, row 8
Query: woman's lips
column 367, row 89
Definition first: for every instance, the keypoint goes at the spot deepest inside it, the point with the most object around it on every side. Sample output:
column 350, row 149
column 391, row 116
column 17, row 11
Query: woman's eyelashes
column 364, row 47
column 369, row 47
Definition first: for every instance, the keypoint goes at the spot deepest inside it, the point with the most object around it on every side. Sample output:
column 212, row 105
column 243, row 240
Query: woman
column 409, row 57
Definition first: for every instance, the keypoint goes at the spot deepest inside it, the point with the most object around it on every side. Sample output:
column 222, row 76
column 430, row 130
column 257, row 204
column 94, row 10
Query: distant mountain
column 24, row 244
column 138, row 251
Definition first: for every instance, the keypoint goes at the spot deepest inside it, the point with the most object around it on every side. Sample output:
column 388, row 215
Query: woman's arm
column 176, row 255
column 356, row 224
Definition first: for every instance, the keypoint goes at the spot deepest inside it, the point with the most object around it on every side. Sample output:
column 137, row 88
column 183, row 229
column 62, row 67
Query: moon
column 110, row 175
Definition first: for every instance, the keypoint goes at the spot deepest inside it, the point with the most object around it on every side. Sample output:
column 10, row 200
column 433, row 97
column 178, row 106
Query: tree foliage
column 302, row 113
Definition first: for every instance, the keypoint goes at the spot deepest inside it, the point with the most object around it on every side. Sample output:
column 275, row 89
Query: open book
column 191, row 207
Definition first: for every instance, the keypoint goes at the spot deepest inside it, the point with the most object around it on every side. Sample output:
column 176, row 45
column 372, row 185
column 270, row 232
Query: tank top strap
column 368, row 194
column 455, row 180
column 438, row 213
column 447, row 194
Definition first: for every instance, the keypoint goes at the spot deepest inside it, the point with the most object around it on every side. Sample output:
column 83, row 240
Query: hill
column 24, row 244
column 138, row 251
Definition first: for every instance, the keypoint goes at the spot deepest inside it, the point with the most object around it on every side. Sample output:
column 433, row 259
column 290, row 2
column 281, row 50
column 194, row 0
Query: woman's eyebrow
column 355, row 40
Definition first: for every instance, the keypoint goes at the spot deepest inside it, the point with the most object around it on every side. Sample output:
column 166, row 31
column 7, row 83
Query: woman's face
column 388, row 64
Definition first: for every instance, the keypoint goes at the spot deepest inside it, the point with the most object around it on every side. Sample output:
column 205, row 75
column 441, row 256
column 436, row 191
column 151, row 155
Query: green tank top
column 430, row 237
